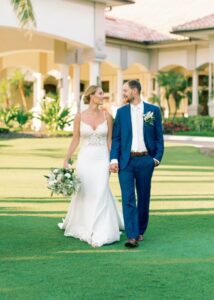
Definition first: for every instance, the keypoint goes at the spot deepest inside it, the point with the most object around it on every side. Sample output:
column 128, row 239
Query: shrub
column 14, row 117
column 193, row 123
column 4, row 130
column 54, row 116
column 172, row 127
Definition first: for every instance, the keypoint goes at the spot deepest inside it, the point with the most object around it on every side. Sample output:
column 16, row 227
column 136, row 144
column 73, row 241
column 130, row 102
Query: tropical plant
column 155, row 99
column 54, row 116
column 175, row 85
column 7, row 116
column 22, row 117
column 5, row 92
column 19, row 83
column 24, row 12
column 193, row 123
column 14, row 117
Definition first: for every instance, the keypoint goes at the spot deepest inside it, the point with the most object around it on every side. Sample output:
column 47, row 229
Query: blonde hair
column 91, row 90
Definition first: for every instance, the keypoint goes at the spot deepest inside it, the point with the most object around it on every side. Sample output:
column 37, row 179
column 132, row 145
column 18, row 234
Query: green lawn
column 176, row 260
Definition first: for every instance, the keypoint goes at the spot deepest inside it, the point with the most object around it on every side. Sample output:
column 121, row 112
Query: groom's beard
column 128, row 99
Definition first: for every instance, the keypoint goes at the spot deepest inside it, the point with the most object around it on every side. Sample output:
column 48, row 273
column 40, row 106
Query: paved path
column 198, row 141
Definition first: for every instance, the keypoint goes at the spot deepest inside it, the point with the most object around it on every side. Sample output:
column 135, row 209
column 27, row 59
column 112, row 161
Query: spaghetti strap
column 105, row 115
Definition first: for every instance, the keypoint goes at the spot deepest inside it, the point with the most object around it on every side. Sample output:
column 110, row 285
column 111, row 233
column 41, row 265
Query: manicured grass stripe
column 35, row 201
column 161, row 169
column 183, row 181
column 182, row 195
column 182, row 199
column 182, row 210
column 3, row 211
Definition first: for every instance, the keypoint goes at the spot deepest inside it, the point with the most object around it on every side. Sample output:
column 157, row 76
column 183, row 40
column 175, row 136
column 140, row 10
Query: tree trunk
column 22, row 96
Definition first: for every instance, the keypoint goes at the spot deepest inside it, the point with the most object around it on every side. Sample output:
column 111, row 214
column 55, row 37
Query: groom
column 137, row 147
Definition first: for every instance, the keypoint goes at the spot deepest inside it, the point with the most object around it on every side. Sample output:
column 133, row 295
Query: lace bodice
column 93, row 137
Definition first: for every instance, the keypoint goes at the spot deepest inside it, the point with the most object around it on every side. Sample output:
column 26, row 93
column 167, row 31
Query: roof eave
column 186, row 31
column 143, row 44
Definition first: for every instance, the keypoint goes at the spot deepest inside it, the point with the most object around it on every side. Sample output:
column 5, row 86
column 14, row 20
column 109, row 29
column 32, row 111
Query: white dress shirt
column 138, row 143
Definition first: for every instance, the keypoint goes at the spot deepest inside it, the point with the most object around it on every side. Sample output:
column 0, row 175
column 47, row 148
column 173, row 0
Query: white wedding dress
column 93, row 215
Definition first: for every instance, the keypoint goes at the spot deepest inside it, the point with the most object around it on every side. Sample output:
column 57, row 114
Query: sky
column 162, row 15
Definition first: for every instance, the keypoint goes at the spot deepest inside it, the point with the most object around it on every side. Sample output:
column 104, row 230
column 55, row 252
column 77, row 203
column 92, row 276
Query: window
column 105, row 86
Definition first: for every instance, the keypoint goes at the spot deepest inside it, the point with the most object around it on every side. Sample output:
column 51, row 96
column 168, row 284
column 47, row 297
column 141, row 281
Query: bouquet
column 62, row 181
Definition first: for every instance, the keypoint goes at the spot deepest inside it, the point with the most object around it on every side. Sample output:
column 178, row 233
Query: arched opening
column 16, row 85
column 179, row 77
column 203, row 89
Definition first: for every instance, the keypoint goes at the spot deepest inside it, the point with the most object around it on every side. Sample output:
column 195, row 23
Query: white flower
column 67, row 175
column 59, row 177
column 149, row 117
column 62, row 182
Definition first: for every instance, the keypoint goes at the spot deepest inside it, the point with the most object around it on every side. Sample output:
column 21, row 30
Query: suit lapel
column 145, row 110
column 146, row 107
column 128, row 118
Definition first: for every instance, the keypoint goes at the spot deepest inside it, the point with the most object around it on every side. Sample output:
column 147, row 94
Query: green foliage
column 14, row 117
column 28, row 88
column 15, row 82
column 175, row 85
column 54, row 116
column 7, row 116
column 18, row 79
column 22, row 117
column 171, row 127
column 155, row 99
column 4, row 130
column 5, row 92
column 194, row 123
column 24, row 13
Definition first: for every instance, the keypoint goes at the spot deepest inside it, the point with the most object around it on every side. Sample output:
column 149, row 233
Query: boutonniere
column 149, row 117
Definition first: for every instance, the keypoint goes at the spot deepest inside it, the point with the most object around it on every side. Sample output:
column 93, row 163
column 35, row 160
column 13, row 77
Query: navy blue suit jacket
column 122, row 134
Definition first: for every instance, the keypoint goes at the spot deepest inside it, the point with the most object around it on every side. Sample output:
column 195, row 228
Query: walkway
column 198, row 141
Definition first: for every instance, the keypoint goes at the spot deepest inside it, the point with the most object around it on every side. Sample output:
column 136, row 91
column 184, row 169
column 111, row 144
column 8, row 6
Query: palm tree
column 175, row 85
column 18, row 82
column 5, row 92
column 24, row 13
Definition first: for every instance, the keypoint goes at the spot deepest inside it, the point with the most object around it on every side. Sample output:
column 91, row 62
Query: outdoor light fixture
column 108, row 8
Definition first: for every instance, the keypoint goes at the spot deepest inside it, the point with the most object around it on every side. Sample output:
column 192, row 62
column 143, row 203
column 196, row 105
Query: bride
column 92, row 216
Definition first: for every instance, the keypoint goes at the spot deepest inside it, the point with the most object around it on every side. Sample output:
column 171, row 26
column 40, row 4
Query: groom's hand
column 114, row 168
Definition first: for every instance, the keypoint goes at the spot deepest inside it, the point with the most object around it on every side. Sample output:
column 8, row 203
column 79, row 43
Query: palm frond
column 24, row 12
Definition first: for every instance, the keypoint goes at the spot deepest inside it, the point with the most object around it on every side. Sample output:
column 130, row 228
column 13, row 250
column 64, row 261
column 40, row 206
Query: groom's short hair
column 135, row 84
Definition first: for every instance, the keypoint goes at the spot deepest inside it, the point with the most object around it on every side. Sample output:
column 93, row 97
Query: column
column 149, row 85
column 193, row 108
column 38, row 94
column 64, row 85
column 94, row 73
column 76, row 85
column 119, row 90
column 211, row 90
column 211, row 76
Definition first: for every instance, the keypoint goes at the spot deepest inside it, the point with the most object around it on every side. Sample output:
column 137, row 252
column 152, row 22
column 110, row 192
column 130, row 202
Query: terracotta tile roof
column 202, row 23
column 128, row 30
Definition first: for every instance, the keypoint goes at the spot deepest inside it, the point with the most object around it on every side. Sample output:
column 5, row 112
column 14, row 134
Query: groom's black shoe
column 131, row 243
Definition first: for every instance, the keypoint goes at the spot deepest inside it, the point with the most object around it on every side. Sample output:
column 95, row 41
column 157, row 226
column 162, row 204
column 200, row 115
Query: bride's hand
column 65, row 164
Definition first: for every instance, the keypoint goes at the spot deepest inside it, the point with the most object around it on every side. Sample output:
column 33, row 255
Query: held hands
column 114, row 168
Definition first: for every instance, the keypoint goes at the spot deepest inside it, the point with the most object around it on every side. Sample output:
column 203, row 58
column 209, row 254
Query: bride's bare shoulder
column 108, row 116
column 77, row 117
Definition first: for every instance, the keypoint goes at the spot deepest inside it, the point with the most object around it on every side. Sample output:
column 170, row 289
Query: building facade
column 75, row 45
